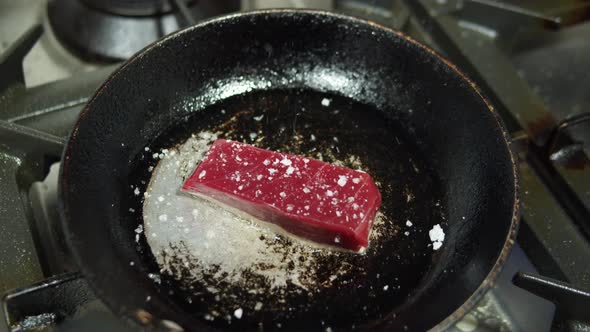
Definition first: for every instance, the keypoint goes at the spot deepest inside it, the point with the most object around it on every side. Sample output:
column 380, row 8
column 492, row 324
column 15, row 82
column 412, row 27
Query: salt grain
column 163, row 217
column 238, row 313
column 437, row 236
column 290, row 170
column 136, row 192
column 286, row 162
column 160, row 198
column 258, row 118
column 329, row 193
column 356, row 180
column 409, row 223
column 202, row 174
column 436, row 233
column 386, row 287
column 326, row 102
column 306, row 190
column 342, row 179
column 282, row 194
column 258, row 306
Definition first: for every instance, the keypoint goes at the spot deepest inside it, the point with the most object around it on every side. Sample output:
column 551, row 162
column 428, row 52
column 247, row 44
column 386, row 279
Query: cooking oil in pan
column 234, row 274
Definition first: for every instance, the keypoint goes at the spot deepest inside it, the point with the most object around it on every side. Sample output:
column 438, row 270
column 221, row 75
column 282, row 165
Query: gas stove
column 530, row 59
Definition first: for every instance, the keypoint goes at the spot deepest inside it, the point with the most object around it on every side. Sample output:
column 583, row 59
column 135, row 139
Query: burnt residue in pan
column 334, row 129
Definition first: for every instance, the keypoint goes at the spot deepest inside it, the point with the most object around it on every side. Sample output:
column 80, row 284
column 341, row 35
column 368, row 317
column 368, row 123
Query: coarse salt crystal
column 386, row 287
column 329, row 193
column 406, row 233
column 136, row 192
column 258, row 118
column 290, row 170
column 436, row 233
column 160, row 198
column 436, row 245
column 312, row 137
column 266, row 162
column 202, row 174
column 306, row 190
column 272, row 171
column 238, row 313
column 286, row 162
column 259, row 177
column 258, row 306
column 409, row 223
column 163, row 217
column 356, row 180
column 342, row 180
column 326, row 102
column 282, row 194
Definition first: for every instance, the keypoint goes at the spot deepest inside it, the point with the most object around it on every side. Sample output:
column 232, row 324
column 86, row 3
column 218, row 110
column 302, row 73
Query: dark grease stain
column 373, row 284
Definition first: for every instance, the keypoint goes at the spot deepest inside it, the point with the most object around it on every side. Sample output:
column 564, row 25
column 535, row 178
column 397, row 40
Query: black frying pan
column 419, row 126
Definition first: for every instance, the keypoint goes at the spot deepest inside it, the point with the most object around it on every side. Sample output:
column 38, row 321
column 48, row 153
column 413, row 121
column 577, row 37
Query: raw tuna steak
column 308, row 198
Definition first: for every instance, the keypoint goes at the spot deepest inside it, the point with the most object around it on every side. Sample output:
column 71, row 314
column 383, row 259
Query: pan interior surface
column 318, row 288
column 284, row 61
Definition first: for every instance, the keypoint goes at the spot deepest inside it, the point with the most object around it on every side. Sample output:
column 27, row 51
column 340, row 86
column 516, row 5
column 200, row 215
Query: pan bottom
column 318, row 288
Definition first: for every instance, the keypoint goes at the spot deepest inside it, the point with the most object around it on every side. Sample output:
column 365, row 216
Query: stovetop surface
column 518, row 62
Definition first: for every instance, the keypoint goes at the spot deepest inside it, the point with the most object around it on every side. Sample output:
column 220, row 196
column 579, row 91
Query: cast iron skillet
column 397, row 99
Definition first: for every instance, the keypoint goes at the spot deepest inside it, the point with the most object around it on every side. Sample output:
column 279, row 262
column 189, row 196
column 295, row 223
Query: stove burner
column 106, row 31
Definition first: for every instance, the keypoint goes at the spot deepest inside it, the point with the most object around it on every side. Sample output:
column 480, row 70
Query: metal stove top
column 531, row 60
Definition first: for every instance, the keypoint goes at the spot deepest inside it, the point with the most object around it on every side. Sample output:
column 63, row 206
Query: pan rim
column 458, row 313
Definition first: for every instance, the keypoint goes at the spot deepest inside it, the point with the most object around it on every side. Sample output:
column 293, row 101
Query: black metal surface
column 132, row 7
column 11, row 60
column 523, row 109
column 311, row 51
column 291, row 116
column 570, row 301
column 115, row 30
column 58, row 297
